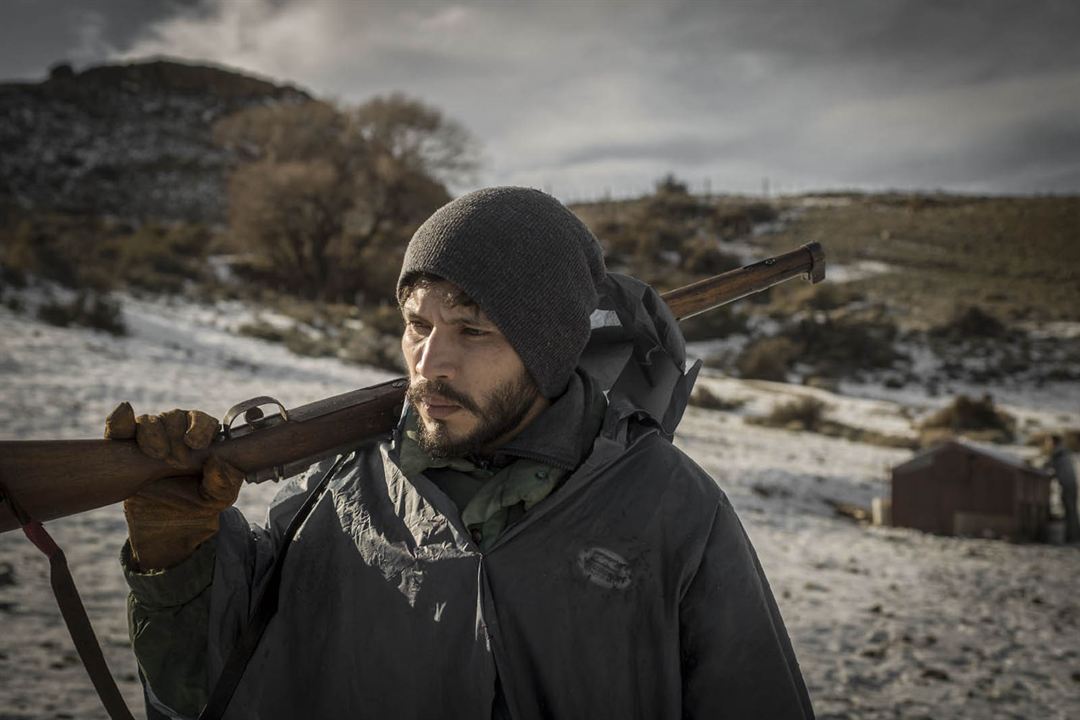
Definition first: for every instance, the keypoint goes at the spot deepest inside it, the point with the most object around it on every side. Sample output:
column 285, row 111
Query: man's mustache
column 420, row 389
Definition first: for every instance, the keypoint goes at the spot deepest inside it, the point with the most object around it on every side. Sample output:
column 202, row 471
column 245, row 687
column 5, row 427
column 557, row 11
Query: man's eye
column 473, row 332
column 417, row 326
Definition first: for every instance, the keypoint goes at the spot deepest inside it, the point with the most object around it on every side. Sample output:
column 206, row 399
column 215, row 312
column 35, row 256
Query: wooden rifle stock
column 55, row 478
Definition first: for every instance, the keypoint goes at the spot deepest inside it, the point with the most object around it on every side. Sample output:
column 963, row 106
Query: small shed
column 959, row 488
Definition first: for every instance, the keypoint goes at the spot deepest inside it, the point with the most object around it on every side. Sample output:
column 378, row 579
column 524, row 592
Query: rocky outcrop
column 132, row 141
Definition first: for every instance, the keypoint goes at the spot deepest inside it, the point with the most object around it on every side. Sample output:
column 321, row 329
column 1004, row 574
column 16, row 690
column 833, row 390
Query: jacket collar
column 559, row 437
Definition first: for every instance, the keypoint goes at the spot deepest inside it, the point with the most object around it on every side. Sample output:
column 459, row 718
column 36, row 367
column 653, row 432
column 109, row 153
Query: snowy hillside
column 887, row 623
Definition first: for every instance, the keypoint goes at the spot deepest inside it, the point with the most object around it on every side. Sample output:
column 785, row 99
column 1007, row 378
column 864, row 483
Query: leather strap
column 265, row 609
column 74, row 613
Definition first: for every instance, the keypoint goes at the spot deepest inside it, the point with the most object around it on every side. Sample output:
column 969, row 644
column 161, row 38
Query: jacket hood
column 637, row 354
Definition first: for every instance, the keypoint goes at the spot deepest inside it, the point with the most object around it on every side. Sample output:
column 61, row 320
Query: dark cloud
column 35, row 34
column 954, row 41
column 612, row 94
column 1033, row 157
column 686, row 151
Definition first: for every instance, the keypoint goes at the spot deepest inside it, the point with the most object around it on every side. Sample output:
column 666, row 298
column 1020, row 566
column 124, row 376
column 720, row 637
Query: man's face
column 469, row 387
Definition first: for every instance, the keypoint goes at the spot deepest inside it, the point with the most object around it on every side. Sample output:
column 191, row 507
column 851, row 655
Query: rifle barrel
column 710, row 293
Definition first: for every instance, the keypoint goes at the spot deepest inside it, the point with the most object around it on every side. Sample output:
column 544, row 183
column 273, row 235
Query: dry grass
column 671, row 238
column 99, row 254
column 808, row 414
column 1013, row 258
column 1016, row 258
column 955, row 269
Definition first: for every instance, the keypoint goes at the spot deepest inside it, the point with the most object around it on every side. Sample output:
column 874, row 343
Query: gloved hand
column 169, row 518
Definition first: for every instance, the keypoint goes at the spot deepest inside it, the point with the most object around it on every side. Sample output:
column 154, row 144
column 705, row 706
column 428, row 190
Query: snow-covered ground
column 886, row 622
column 891, row 623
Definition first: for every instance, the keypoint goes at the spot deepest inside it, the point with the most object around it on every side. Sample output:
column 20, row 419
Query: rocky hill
column 131, row 141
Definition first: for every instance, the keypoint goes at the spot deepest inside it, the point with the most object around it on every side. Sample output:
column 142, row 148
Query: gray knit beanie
column 529, row 263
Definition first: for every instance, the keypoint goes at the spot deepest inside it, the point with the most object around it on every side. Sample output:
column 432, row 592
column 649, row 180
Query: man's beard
column 500, row 412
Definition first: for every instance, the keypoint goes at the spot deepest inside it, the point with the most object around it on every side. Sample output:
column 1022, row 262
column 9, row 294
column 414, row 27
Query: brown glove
column 169, row 518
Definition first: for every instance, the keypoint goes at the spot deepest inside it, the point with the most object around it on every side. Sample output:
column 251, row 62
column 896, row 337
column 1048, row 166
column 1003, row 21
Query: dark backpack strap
column 265, row 608
column 73, row 612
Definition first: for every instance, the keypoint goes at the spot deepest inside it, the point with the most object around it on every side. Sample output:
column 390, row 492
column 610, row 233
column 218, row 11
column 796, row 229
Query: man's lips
column 438, row 408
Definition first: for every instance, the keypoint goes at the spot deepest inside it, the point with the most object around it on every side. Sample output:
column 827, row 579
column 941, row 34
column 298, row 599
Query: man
column 528, row 544
column 1060, row 465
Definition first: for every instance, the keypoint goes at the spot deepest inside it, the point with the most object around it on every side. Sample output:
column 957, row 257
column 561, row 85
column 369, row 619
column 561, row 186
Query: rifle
column 56, row 478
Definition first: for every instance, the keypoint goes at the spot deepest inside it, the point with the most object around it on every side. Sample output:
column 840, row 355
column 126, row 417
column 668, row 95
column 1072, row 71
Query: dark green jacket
column 631, row 591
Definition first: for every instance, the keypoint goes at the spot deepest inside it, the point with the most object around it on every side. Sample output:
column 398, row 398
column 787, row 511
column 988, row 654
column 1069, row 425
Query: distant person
column 1060, row 465
column 525, row 545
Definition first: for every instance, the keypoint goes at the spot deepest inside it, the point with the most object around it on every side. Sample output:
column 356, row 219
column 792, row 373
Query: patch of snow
column 720, row 350
column 670, row 257
column 825, row 201
column 221, row 267
column 1052, row 403
column 859, row 270
column 1060, row 330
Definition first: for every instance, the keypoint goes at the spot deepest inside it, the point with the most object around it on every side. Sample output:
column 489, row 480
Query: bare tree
column 291, row 215
column 416, row 136
column 328, row 197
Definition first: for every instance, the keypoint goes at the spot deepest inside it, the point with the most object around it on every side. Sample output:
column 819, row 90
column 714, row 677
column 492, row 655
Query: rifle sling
column 265, row 608
column 73, row 612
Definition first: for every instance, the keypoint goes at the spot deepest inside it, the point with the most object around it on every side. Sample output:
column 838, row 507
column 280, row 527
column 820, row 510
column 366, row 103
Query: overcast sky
column 583, row 98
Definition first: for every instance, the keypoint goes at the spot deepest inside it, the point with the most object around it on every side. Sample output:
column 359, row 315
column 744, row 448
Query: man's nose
column 438, row 357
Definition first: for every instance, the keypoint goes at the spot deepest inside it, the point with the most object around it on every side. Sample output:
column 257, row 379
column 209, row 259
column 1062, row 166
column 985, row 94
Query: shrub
column 730, row 224
column 977, row 417
column 805, row 413
column 384, row 318
column 702, row 256
column 48, row 248
column 262, row 330
column 714, row 324
column 673, row 201
column 56, row 313
column 160, row 258
column 838, row 348
column 98, row 254
column 703, row 397
column 103, row 313
column 767, row 359
column 972, row 322
column 12, row 277
column 369, row 347
column 303, row 343
column 87, row 309
column 760, row 212
column 671, row 185
column 824, row 296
